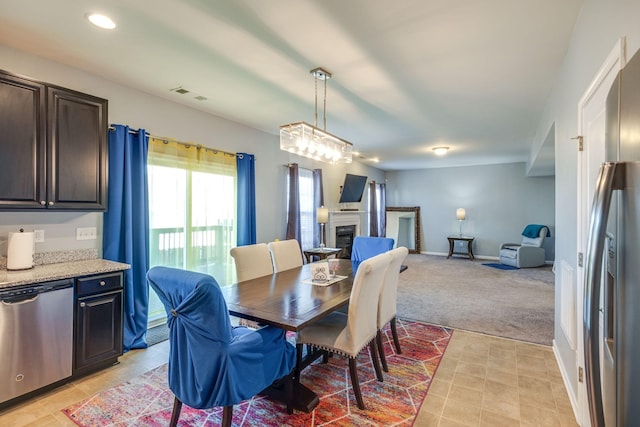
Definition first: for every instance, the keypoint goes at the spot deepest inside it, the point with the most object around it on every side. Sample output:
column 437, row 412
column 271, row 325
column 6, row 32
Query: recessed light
column 101, row 21
column 440, row 151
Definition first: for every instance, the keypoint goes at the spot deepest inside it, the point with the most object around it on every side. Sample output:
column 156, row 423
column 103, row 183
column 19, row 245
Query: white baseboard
column 567, row 385
column 485, row 257
column 444, row 254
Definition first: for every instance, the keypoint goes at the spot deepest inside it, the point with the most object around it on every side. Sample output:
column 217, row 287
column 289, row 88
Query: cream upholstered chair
column 286, row 254
column 387, row 301
column 252, row 261
column 347, row 335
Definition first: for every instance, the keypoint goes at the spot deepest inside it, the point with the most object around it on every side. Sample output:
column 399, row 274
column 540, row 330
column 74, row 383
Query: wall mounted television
column 353, row 188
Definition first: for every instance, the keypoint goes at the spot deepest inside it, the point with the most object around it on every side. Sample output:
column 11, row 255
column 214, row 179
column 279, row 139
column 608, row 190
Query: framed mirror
column 403, row 226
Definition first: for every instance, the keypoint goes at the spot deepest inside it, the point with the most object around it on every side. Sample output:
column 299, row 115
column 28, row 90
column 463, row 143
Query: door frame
column 594, row 96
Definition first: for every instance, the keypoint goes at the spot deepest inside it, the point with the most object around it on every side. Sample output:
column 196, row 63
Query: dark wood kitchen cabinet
column 54, row 147
column 98, row 322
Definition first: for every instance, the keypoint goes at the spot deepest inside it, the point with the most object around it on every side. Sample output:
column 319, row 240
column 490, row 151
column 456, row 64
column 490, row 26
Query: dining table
column 290, row 300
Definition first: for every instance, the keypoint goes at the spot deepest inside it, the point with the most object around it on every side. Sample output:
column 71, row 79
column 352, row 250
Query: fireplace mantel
column 339, row 218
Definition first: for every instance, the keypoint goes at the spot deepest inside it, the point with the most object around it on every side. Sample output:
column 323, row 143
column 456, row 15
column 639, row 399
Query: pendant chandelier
column 307, row 140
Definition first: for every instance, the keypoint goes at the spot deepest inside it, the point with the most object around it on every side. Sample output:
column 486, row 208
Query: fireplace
column 344, row 240
column 342, row 218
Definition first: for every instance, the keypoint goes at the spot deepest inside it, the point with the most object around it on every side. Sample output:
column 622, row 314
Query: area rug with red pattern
column 147, row 401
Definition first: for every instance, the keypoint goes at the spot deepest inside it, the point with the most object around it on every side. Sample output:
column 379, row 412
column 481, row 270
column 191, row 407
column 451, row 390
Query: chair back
column 389, row 291
column 211, row 363
column 286, row 254
column 533, row 235
column 252, row 261
column 366, row 247
column 363, row 302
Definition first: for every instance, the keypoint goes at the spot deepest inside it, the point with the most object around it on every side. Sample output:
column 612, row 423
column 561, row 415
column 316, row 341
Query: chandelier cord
column 324, row 108
column 315, row 78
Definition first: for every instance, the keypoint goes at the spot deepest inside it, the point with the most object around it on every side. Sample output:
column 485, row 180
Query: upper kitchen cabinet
column 22, row 142
column 77, row 150
column 54, row 145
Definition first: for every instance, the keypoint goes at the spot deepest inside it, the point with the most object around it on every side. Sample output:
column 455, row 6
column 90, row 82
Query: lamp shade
column 323, row 215
column 461, row 214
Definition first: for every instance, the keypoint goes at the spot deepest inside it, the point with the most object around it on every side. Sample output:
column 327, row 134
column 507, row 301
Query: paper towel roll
column 20, row 248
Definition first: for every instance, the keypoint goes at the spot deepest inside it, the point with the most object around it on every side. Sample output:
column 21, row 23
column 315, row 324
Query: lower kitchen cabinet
column 98, row 322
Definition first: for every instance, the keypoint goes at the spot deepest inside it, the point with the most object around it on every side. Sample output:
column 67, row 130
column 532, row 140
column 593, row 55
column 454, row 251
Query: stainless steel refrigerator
column 612, row 277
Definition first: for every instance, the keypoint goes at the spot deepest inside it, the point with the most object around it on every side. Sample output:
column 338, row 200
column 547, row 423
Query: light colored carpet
column 465, row 294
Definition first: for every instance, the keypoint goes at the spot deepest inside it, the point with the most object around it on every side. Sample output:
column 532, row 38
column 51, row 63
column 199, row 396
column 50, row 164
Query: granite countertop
column 57, row 271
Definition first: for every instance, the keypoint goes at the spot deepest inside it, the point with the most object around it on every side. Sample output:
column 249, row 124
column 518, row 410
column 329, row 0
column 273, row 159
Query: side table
column 452, row 240
column 321, row 253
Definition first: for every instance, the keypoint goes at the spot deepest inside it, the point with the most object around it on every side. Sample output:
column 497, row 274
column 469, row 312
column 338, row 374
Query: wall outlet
column 86, row 233
column 38, row 236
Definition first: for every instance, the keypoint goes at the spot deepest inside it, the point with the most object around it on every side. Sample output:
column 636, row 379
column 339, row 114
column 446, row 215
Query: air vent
column 180, row 90
column 201, row 98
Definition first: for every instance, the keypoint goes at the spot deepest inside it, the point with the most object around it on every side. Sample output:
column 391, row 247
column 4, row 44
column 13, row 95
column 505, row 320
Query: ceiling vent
column 180, row 90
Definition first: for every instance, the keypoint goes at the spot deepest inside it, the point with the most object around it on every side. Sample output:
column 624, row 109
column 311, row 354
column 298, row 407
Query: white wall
column 164, row 118
column 499, row 200
column 600, row 24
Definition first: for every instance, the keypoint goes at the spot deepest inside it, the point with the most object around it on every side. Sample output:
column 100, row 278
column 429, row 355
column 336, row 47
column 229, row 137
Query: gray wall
column 499, row 201
column 165, row 118
column 600, row 25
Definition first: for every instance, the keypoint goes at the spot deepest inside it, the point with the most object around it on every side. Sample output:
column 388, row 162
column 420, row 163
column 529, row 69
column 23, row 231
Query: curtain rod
column 186, row 144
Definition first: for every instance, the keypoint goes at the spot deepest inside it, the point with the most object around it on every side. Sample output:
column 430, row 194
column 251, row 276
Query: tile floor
column 481, row 381
column 493, row 382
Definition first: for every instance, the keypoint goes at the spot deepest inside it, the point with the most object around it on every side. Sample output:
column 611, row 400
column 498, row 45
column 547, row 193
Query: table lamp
column 323, row 217
column 461, row 215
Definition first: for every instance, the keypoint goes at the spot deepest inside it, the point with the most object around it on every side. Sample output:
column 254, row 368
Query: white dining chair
column 347, row 335
column 252, row 261
column 286, row 254
column 387, row 301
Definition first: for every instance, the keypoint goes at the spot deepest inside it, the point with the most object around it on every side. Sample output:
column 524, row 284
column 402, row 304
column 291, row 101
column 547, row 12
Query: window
column 192, row 208
column 308, row 224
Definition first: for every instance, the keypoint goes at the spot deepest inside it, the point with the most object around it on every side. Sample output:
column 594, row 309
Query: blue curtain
column 126, row 226
column 246, row 199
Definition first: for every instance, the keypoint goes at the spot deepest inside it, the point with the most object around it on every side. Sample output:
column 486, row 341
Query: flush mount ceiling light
column 310, row 141
column 101, row 21
column 440, row 151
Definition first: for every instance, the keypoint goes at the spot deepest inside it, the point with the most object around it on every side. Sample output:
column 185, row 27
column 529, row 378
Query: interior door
column 592, row 114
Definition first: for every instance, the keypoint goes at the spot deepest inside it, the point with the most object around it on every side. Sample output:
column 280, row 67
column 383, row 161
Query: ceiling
column 408, row 75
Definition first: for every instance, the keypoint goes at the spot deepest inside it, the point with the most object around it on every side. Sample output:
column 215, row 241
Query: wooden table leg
column 451, row 241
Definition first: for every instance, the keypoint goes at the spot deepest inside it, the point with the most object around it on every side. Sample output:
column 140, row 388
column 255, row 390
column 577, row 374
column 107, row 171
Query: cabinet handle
column 43, row 203
column 50, row 203
column 102, row 283
column 82, row 304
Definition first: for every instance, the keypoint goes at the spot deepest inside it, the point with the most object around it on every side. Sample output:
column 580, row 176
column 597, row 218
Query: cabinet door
column 98, row 329
column 77, row 151
column 22, row 143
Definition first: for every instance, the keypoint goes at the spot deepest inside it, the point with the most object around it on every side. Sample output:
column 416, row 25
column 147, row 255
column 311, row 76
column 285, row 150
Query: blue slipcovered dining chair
column 365, row 247
column 210, row 362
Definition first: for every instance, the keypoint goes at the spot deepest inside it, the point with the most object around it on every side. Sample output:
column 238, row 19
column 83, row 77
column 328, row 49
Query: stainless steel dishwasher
column 36, row 336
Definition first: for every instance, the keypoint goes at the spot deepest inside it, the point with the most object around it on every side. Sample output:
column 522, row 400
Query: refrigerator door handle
column 609, row 179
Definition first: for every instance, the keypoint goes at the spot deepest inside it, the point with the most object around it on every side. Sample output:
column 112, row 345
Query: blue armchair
column 366, row 247
column 210, row 362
